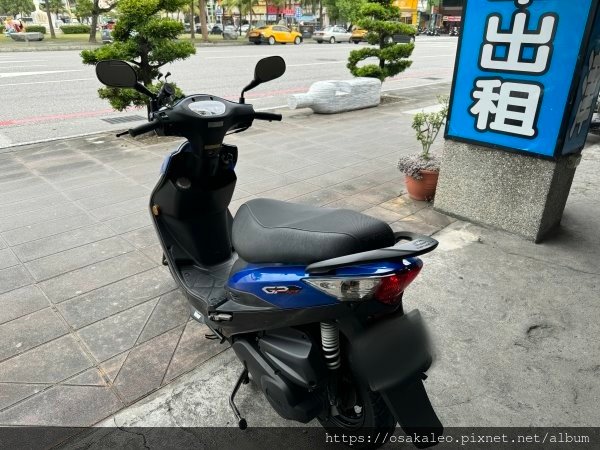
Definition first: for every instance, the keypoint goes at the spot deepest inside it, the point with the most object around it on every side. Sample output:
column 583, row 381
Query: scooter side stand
column 243, row 378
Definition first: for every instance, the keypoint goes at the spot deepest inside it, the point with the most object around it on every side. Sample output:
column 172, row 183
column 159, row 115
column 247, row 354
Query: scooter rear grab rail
column 417, row 245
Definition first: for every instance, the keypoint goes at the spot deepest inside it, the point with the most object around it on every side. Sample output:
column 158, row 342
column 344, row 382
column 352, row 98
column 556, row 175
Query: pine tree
column 146, row 40
column 380, row 19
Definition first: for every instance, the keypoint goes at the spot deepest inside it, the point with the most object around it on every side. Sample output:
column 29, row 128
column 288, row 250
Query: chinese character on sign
column 507, row 107
column 588, row 94
column 518, row 49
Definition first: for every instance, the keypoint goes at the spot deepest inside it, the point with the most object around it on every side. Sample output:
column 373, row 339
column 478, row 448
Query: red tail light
column 390, row 288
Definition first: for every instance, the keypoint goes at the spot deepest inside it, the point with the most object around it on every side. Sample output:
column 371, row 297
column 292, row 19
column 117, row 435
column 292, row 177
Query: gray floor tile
column 91, row 377
column 291, row 190
column 154, row 252
column 103, row 191
column 13, row 278
column 33, row 204
column 117, row 333
column 19, row 335
column 130, row 222
column 48, row 363
column 7, row 258
column 62, row 242
column 113, row 197
column 172, row 310
column 145, row 367
column 193, row 349
column 318, row 198
column 139, row 204
column 30, row 191
column 92, row 277
column 11, row 393
column 37, row 216
column 64, row 406
column 349, row 203
column 87, row 180
column 383, row 214
column 106, row 301
column 45, row 229
column 142, row 237
column 20, row 186
column 111, row 367
column 58, row 263
column 20, row 302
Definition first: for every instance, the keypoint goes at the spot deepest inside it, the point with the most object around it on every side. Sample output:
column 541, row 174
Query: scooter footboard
column 391, row 357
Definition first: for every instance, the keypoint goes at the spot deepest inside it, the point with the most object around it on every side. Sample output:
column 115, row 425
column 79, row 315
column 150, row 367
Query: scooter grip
column 145, row 128
column 411, row 407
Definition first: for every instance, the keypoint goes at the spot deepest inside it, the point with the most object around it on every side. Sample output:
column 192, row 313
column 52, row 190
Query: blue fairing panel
column 282, row 286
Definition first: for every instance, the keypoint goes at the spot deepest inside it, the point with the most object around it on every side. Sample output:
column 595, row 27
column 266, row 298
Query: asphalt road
column 51, row 94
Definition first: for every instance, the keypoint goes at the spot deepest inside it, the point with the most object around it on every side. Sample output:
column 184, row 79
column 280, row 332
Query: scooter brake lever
column 122, row 134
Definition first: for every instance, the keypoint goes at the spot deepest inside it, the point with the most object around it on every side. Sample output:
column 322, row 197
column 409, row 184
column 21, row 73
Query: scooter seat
column 271, row 231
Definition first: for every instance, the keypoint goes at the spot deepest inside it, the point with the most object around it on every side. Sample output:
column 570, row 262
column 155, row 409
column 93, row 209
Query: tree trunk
column 49, row 15
column 321, row 14
column 192, row 22
column 93, row 27
column 203, row 24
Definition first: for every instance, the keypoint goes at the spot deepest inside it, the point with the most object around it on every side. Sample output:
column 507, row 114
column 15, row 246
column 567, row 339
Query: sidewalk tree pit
column 379, row 18
column 148, row 42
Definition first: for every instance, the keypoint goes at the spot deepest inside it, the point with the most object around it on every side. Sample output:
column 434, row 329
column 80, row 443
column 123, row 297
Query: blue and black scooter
column 310, row 299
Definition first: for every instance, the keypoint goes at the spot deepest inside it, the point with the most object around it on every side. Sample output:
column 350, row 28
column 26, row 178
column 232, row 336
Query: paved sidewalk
column 90, row 321
column 91, row 324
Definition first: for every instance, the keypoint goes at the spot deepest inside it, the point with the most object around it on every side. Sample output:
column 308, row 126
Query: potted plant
column 422, row 170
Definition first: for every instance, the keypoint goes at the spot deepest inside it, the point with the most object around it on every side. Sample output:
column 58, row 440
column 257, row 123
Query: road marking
column 4, row 61
column 426, row 109
column 318, row 64
column 437, row 56
column 4, row 141
column 45, row 82
column 78, row 115
column 42, row 72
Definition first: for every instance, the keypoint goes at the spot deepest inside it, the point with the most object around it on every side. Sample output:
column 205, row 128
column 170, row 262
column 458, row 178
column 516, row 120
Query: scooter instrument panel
column 207, row 107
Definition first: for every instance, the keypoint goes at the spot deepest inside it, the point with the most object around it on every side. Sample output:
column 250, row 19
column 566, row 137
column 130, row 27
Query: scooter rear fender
column 392, row 356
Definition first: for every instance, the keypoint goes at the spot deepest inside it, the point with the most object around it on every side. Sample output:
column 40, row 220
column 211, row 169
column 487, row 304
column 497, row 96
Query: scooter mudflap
column 410, row 405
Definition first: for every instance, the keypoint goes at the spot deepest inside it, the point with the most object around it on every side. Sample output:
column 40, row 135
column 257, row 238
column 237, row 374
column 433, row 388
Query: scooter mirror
column 115, row 73
column 268, row 69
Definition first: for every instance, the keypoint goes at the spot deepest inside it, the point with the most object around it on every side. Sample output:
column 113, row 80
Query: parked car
column 245, row 28
column 332, row 35
column 359, row 35
column 230, row 32
column 273, row 34
column 216, row 29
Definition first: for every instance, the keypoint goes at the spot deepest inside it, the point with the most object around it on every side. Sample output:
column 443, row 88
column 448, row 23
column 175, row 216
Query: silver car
column 332, row 35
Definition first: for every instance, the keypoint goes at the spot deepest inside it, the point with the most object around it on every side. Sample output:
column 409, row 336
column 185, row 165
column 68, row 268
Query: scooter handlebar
column 267, row 116
column 145, row 128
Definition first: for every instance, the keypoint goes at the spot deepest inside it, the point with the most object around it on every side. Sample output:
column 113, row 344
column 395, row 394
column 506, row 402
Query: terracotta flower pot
column 423, row 189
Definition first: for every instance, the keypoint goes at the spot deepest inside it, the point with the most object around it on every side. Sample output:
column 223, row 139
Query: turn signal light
column 385, row 289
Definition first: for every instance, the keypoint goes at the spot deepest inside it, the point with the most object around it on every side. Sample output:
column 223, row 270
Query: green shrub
column 76, row 29
column 35, row 28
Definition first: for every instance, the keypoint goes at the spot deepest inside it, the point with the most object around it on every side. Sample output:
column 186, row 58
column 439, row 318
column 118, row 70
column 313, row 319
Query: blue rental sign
column 527, row 75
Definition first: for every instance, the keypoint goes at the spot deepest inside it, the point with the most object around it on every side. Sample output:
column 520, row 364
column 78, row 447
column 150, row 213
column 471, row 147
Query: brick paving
column 90, row 321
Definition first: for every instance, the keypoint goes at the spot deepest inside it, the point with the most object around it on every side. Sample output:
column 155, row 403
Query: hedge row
column 75, row 29
column 35, row 28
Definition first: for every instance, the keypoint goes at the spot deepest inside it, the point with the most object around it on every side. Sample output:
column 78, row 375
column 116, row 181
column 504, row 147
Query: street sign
column 298, row 13
column 527, row 75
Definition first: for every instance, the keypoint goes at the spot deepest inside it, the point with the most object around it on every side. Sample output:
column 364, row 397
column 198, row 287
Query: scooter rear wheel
column 366, row 419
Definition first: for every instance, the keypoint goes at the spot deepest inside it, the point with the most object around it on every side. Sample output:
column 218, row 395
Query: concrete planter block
column 518, row 193
column 25, row 37
column 330, row 97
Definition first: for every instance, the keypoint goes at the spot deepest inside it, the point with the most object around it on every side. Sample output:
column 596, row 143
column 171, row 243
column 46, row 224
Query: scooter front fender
column 392, row 357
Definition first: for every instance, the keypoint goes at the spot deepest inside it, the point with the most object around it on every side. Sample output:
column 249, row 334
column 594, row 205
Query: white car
column 332, row 35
